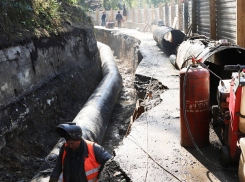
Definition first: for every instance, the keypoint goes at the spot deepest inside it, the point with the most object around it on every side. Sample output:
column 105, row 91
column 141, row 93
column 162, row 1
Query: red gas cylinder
column 197, row 106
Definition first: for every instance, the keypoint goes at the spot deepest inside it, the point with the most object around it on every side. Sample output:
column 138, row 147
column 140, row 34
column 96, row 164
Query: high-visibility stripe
column 91, row 166
column 91, row 163
column 92, row 180
column 92, row 171
column 63, row 157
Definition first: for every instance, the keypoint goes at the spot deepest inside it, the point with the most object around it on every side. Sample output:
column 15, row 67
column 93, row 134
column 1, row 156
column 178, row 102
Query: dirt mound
column 112, row 172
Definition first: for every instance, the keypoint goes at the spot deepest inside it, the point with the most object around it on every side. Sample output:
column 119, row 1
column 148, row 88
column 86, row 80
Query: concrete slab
column 157, row 131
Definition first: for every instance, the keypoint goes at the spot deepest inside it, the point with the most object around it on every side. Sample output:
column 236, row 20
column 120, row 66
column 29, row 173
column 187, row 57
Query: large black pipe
column 95, row 114
column 215, row 54
column 168, row 39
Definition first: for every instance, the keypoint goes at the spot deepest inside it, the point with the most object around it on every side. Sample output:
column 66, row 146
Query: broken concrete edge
column 168, row 38
column 95, row 114
column 143, row 78
column 112, row 171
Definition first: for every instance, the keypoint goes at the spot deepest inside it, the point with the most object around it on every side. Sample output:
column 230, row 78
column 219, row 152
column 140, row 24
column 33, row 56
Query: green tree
column 22, row 19
column 108, row 4
column 148, row 3
column 114, row 4
column 157, row 2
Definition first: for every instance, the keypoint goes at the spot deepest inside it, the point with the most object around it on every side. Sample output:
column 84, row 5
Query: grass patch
column 22, row 20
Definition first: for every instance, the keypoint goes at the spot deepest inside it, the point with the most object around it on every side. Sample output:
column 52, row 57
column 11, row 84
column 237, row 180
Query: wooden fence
column 213, row 18
column 168, row 13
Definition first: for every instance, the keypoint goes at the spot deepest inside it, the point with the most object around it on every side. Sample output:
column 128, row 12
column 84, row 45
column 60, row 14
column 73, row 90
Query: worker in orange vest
column 79, row 160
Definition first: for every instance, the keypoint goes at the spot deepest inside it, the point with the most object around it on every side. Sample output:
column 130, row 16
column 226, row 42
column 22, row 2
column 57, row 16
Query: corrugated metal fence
column 203, row 18
column 177, row 15
column 189, row 13
column 167, row 17
column 226, row 20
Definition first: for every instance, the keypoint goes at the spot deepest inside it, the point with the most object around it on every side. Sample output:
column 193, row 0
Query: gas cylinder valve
column 199, row 61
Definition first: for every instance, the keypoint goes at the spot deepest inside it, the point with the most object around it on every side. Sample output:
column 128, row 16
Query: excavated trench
column 27, row 146
column 31, row 136
column 28, row 121
column 31, row 120
column 135, row 88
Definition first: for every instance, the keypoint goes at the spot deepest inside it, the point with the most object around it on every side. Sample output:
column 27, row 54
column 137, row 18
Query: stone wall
column 26, row 67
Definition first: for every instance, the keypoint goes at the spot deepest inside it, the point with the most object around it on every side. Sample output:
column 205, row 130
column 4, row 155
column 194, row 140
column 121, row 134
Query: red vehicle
column 228, row 113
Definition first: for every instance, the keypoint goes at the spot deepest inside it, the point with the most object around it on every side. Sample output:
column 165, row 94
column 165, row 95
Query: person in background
column 119, row 19
column 103, row 18
column 79, row 160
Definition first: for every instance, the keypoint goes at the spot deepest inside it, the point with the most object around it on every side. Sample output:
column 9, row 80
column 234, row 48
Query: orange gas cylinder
column 197, row 106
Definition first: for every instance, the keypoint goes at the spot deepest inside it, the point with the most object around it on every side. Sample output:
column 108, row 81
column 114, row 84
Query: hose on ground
column 135, row 141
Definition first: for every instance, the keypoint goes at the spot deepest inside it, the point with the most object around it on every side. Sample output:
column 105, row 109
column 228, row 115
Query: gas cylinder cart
column 230, row 113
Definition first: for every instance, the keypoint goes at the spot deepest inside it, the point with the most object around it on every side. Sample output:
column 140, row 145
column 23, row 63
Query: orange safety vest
column 91, row 166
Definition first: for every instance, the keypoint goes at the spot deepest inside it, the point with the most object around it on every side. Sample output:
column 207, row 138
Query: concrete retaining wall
column 125, row 47
column 131, row 25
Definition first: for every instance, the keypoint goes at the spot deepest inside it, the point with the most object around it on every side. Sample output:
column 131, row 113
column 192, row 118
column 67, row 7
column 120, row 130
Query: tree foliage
column 114, row 4
column 21, row 19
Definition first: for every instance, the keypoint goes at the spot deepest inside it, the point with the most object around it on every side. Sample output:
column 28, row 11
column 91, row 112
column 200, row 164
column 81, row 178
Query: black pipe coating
column 168, row 39
column 96, row 113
